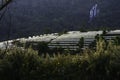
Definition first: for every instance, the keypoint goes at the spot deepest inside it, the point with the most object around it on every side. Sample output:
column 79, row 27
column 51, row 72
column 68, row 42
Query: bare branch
column 4, row 3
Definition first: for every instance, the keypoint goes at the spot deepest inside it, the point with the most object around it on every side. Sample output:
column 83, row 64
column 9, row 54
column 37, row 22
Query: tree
column 117, row 41
column 81, row 43
column 3, row 5
column 104, row 32
column 42, row 47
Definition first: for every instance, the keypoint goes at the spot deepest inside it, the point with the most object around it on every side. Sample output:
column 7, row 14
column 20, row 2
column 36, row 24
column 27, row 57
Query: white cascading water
column 94, row 11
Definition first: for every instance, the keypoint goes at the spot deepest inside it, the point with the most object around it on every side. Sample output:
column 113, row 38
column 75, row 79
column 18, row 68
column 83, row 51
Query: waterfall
column 94, row 11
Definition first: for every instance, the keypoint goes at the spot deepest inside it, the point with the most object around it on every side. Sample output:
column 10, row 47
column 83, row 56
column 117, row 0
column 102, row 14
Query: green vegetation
column 25, row 64
column 80, row 44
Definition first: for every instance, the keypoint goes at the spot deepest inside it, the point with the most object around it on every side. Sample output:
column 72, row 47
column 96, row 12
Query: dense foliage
column 26, row 64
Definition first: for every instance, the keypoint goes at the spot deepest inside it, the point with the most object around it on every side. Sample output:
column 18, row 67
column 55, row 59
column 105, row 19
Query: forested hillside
column 33, row 17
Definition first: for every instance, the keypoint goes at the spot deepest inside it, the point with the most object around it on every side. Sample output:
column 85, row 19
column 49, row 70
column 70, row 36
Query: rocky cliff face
column 32, row 17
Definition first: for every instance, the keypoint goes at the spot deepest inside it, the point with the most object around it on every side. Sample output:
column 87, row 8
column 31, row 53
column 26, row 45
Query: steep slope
column 32, row 17
column 109, row 14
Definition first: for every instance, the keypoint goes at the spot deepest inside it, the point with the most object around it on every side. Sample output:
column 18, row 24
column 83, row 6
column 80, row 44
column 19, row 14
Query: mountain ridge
column 35, row 17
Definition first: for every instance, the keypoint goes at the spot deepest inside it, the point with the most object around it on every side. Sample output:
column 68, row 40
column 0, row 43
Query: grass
column 100, row 64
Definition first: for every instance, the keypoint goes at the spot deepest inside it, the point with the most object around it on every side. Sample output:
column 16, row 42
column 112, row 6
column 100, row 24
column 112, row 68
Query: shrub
column 26, row 64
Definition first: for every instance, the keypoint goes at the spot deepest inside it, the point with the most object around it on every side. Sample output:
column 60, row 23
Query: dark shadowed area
column 33, row 17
